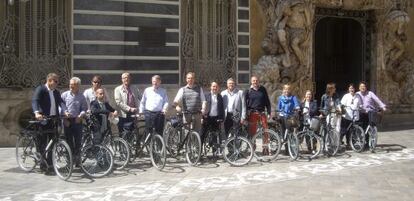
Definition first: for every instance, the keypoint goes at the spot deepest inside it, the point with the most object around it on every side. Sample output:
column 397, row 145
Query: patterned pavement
column 387, row 174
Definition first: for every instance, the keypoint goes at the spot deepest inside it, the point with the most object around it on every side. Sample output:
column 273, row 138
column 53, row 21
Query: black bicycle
column 356, row 133
column 238, row 150
column 212, row 140
column 28, row 155
column 179, row 135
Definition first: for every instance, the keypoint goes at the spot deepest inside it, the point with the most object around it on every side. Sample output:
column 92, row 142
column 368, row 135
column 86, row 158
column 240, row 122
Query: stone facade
column 275, row 40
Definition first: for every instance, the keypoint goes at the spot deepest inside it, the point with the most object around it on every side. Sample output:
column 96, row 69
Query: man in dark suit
column 45, row 102
column 101, row 110
column 215, row 110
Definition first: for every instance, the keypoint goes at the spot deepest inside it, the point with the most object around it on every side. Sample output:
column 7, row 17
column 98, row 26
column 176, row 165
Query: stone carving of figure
column 394, row 36
column 292, row 27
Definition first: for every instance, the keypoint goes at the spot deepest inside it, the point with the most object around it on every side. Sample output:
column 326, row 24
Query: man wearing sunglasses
column 45, row 102
column 90, row 94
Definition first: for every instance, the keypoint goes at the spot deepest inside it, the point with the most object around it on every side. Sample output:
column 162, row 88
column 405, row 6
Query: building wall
column 410, row 33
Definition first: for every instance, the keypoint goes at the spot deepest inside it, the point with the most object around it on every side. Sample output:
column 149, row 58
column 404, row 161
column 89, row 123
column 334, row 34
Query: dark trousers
column 125, row 124
column 344, row 125
column 73, row 134
column 228, row 124
column 42, row 142
column 154, row 120
column 210, row 124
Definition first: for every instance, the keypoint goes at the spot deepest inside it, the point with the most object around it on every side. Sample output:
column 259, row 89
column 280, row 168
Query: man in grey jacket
column 233, row 104
column 127, row 99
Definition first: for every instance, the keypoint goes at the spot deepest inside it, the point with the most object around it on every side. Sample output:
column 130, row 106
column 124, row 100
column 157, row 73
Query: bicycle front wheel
column 171, row 139
column 158, row 153
column 96, row 161
column 120, row 151
column 357, row 138
column 62, row 160
column 238, row 151
column 373, row 138
column 193, row 148
column 293, row 146
column 26, row 153
column 331, row 142
column 266, row 145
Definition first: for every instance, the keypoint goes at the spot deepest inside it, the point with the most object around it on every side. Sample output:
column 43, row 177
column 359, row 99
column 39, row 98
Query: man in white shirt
column 352, row 103
column 215, row 111
column 234, row 104
column 154, row 104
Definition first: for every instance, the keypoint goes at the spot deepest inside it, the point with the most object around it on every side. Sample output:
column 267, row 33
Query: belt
column 152, row 111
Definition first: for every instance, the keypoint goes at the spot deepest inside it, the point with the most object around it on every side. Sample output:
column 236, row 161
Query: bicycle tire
column 273, row 146
column 313, row 143
column 96, row 161
column 373, row 138
column 236, row 149
column 193, row 148
column 331, row 142
column 293, row 146
column 171, row 139
column 357, row 138
column 26, row 153
column 158, row 153
column 120, row 152
column 62, row 159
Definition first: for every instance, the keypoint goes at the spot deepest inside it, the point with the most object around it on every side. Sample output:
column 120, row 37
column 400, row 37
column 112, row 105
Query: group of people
column 211, row 108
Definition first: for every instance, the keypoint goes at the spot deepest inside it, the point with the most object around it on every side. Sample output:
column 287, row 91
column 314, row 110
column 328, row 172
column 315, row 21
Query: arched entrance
column 340, row 51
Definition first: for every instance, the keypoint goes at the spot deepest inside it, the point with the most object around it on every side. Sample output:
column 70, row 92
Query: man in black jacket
column 215, row 110
column 45, row 102
column 101, row 110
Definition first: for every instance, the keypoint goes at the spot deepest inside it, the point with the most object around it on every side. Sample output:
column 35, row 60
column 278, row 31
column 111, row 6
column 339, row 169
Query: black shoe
column 50, row 173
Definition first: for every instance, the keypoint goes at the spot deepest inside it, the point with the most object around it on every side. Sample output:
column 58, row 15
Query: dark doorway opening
column 339, row 53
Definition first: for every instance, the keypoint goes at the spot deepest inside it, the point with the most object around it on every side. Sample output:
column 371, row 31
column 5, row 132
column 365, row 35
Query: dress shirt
column 75, row 103
column 52, row 101
column 154, row 100
column 213, row 108
column 232, row 96
column 370, row 101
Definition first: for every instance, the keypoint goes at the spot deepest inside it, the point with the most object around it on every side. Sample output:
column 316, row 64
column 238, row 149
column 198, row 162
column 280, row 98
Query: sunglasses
column 96, row 82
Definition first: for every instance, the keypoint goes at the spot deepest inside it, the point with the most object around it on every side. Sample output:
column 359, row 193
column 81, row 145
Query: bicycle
column 238, row 150
column 356, row 133
column 178, row 135
column 289, row 138
column 96, row 160
column 28, row 155
column 118, row 147
column 212, row 140
column 150, row 140
column 371, row 131
column 266, row 142
column 314, row 142
column 328, row 133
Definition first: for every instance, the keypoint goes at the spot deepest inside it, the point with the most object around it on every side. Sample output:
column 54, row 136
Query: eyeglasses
column 55, row 81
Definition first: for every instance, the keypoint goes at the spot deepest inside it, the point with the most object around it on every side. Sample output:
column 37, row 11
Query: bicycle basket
column 175, row 121
column 292, row 122
column 315, row 124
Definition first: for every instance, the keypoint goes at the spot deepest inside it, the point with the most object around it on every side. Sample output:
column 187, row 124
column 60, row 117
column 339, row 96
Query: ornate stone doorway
column 339, row 53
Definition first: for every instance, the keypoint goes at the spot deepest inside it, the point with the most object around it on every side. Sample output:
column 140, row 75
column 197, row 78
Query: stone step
column 392, row 122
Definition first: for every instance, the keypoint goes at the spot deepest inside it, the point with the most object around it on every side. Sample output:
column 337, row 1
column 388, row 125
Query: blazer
column 239, row 103
column 41, row 100
column 96, row 110
column 220, row 105
column 121, row 98
column 313, row 108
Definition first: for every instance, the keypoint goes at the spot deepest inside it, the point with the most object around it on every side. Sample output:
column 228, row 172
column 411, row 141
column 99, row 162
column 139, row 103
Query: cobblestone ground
column 387, row 174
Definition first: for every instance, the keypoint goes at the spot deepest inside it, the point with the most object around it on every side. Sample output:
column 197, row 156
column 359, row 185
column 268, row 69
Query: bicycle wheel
column 331, row 142
column 62, row 160
column 293, row 146
column 193, row 148
column 158, row 153
column 96, row 161
column 171, row 139
column 373, row 138
column 266, row 145
column 26, row 153
column 238, row 151
column 120, row 152
column 357, row 138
